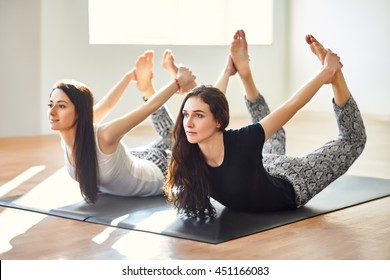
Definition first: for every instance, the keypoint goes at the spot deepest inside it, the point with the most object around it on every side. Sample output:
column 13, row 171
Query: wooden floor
column 360, row 232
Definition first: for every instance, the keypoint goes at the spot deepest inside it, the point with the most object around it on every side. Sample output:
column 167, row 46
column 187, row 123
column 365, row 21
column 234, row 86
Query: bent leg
column 163, row 123
column 310, row 174
column 158, row 151
column 240, row 56
column 254, row 101
column 161, row 119
column 157, row 156
column 258, row 109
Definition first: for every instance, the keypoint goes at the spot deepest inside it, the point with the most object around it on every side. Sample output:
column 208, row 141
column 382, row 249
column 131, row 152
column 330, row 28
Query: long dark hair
column 187, row 186
column 84, row 148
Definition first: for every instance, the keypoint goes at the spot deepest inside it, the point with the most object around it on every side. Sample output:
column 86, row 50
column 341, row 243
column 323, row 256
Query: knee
column 360, row 140
column 361, row 145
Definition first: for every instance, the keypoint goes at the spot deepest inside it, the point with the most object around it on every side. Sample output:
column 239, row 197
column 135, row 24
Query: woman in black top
column 246, row 169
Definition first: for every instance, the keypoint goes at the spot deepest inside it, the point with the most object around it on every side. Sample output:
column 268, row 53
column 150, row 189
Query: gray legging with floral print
column 313, row 172
column 157, row 150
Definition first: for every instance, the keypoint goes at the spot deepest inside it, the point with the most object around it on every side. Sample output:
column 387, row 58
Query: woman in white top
column 95, row 155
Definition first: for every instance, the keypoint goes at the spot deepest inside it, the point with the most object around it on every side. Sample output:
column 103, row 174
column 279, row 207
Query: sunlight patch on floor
column 56, row 191
column 15, row 229
column 20, row 179
column 58, row 186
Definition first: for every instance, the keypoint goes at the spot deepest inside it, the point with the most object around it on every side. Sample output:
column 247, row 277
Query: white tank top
column 123, row 174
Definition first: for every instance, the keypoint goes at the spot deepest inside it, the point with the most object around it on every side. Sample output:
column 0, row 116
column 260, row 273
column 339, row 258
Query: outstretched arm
column 112, row 132
column 279, row 117
column 223, row 79
column 108, row 102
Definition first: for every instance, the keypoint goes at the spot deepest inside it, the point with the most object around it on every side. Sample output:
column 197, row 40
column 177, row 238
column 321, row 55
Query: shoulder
column 248, row 137
column 96, row 128
column 255, row 130
column 104, row 140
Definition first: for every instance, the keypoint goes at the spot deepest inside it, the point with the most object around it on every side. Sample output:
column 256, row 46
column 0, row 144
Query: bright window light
column 179, row 22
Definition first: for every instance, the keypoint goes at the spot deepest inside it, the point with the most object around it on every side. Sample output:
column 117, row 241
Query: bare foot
column 239, row 53
column 168, row 63
column 317, row 48
column 144, row 71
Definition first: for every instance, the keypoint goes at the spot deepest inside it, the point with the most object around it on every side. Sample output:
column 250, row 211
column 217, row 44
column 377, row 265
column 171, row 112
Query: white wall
column 42, row 41
column 359, row 32
column 19, row 67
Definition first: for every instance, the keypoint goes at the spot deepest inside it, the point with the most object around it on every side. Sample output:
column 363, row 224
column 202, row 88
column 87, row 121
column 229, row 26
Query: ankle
column 246, row 76
column 148, row 91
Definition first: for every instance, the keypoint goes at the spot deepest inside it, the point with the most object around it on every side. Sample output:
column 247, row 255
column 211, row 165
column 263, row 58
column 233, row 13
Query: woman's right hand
column 186, row 79
column 332, row 65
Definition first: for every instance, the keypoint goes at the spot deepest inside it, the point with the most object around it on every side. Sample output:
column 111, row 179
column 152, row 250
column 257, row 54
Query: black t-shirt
column 241, row 182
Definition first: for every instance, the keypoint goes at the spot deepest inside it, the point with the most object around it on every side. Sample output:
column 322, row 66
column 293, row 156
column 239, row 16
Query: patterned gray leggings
column 157, row 150
column 311, row 173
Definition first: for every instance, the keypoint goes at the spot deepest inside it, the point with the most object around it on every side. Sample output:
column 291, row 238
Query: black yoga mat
column 153, row 214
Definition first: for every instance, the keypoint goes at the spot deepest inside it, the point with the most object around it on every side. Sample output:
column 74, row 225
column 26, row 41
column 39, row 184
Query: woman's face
column 61, row 112
column 198, row 121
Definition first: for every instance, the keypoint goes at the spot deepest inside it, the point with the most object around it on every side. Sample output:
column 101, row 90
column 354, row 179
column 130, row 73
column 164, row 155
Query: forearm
column 117, row 128
column 222, row 81
column 108, row 102
column 303, row 95
column 114, row 94
column 161, row 96
column 280, row 116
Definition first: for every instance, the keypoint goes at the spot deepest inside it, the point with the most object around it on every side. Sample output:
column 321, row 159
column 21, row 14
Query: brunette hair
column 187, row 186
column 84, row 149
